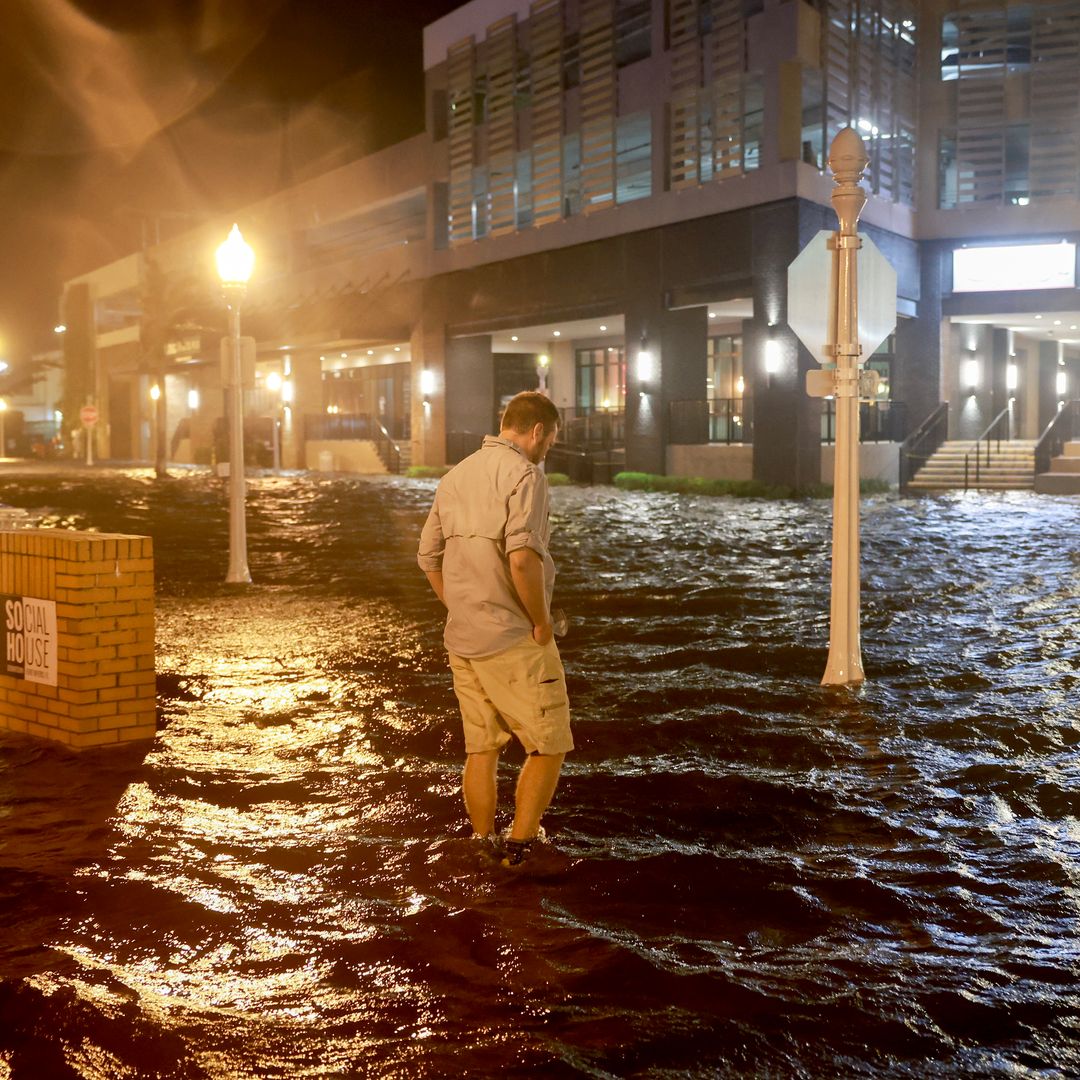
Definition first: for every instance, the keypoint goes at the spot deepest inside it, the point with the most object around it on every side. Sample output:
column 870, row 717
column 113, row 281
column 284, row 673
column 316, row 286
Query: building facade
column 604, row 202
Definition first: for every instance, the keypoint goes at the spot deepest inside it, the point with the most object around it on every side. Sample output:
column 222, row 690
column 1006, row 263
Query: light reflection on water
column 750, row 873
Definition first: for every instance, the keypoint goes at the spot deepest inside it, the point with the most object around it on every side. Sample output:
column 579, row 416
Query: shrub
column 558, row 479
column 421, row 471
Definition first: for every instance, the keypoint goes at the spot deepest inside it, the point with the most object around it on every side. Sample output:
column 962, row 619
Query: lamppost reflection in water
column 235, row 261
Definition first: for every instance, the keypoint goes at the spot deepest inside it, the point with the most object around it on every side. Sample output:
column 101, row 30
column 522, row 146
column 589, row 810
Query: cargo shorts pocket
column 552, row 700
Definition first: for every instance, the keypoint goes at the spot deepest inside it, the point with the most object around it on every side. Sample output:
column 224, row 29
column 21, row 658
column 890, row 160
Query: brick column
column 77, row 640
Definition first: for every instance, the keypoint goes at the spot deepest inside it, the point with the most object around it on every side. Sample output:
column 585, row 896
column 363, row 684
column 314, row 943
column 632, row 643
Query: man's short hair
column 527, row 409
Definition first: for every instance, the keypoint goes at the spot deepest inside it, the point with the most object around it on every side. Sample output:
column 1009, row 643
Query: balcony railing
column 716, row 420
column 879, row 421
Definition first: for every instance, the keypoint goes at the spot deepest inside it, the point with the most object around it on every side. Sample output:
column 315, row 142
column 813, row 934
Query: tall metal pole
column 238, row 562
column 847, row 161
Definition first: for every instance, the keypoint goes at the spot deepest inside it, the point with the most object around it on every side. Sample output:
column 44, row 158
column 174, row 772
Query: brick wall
column 88, row 680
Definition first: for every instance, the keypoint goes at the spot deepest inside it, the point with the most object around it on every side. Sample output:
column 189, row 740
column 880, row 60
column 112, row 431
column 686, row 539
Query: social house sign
column 30, row 644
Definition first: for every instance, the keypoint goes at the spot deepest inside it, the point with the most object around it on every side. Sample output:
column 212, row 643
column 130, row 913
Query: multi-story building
column 605, row 200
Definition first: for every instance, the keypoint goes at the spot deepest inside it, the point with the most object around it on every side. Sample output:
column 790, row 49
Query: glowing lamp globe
column 235, row 259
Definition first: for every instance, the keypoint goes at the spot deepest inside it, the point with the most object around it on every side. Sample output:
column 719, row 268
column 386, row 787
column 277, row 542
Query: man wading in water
column 484, row 549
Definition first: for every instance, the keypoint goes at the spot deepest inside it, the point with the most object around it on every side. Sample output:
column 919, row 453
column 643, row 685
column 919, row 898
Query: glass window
column 633, row 157
column 724, row 367
column 633, row 31
column 571, row 175
column 601, row 379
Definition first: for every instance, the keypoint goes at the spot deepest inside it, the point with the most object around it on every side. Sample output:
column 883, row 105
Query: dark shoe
column 515, row 851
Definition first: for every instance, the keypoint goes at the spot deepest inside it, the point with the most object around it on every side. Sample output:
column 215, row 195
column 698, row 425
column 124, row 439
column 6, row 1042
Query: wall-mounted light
column 155, row 392
column 287, row 392
column 427, row 385
column 1012, row 377
column 273, row 382
column 971, row 375
column 193, row 399
column 772, row 357
column 740, row 386
column 646, row 365
column 1061, row 383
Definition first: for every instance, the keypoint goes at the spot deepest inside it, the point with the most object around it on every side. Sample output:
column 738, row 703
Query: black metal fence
column 879, row 421
column 717, row 420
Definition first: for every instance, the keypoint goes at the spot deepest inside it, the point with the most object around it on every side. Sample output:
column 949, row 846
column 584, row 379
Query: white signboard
column 808, row 297
column 30, row 644
column 1014, row 268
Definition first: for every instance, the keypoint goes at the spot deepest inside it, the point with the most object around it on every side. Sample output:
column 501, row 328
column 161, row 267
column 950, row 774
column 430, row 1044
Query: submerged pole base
column 843, row 669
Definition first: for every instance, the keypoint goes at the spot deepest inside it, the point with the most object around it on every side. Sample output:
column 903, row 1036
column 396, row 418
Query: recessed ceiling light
column 1057, row 322
column 397, row 348
column 371, row 352
column 557, row 333
column 344, row 356
column 513, row 337
column 603, row 328
column 1038, row 316
column 1073, row 327
column 712, row 314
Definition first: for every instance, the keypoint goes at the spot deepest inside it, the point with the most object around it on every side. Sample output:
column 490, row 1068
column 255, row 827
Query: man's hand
column 544, row 633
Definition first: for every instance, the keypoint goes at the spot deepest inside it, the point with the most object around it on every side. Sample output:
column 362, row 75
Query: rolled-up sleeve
column 526, row 514
column 432, row 541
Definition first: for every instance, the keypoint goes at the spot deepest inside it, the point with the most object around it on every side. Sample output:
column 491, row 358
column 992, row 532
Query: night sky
column 119, row 116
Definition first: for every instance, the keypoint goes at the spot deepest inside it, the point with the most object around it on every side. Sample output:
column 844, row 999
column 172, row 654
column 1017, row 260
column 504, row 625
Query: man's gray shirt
column 489, row 505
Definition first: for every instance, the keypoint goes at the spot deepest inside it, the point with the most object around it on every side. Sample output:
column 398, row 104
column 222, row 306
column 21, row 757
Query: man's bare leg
column 479, row 790
column 535, row 787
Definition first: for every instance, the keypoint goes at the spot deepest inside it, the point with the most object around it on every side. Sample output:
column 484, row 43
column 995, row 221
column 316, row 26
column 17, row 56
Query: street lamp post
column 235, row 261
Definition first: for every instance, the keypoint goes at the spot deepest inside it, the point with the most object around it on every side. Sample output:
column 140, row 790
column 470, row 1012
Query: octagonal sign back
column 808, row 296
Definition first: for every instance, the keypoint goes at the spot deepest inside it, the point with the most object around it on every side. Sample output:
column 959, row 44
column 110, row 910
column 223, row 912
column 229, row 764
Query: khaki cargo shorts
column 520, row 691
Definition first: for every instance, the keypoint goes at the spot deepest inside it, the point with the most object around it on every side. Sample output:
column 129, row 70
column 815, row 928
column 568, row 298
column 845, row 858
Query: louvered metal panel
column 501, row 48
column 726, row 61
column 598, row 104
column 461, row 63
column 728, row 112
column 684, row 137
column 1054, row 161
column 837, row 43
column 545, row 48
column 1055, row 101
column 980, row 165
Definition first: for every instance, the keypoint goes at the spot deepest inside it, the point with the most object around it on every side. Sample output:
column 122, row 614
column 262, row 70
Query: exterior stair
column 1064, row 475
column 1011, row 467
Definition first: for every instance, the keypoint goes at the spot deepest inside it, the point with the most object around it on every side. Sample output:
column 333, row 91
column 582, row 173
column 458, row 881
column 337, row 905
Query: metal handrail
column 1058, row 432
column 935, row 429
column 393, row 451
column 988, row 437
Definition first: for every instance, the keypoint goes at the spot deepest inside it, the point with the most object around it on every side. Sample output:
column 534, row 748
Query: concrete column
column 675, row 344
column 920, row 346
column 969, row 413
column 561, row 374
column 787, row 421
column 1027, row 363
column 427, row 345
column 1049, row 352
column 205, row 380
column 470, row 394
column 999, row 373
column 306, row 379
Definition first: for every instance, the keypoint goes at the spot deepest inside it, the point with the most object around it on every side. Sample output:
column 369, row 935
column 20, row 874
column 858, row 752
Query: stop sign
column 808, row 297
column 88, row 414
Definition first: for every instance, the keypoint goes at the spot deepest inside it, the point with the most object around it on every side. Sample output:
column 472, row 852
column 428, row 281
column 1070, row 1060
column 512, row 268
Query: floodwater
column 747, row 874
